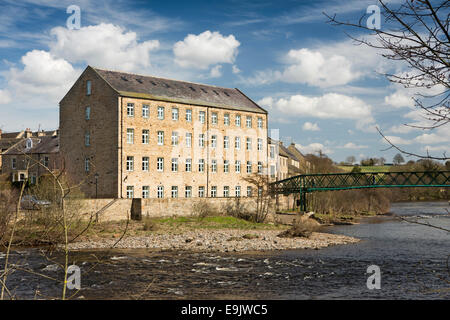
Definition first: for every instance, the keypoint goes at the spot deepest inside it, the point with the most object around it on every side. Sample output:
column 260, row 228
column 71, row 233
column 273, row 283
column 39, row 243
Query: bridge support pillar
column 303, row 204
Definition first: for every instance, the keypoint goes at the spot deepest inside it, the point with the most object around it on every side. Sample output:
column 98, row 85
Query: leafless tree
column 415, row 33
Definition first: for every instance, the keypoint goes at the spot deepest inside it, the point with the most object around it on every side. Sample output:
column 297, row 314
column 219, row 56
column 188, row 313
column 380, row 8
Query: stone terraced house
column 132, row 136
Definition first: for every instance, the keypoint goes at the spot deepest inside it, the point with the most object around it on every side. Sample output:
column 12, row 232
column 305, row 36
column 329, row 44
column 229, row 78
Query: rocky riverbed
column 219, row 241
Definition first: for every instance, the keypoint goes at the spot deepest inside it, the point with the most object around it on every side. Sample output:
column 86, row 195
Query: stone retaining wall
column 120, row 209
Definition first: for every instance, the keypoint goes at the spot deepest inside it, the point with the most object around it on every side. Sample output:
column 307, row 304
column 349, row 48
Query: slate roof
column 45, row 144
column 139, row 86
column 282, row 150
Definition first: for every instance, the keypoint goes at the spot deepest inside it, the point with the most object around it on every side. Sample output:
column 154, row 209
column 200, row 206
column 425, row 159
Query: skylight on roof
column 190, row 87
column 153, row 82
column 226, row 93
column 123, row 78
column 139, row 80
column 216, row 92
column 204, row 90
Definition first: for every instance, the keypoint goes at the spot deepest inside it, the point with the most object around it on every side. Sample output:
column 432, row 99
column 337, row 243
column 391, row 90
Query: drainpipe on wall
column 207, row 152
column 121, row 147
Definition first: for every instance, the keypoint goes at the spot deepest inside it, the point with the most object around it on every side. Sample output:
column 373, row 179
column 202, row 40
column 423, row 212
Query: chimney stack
column 28, row 133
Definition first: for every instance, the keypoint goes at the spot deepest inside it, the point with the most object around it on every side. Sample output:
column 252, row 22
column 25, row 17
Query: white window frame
column 145, row 192
column 130, row 135
column 160, row 164
column 160, row 137
column 145, row 111
column 188, row 140
column 188, row 166
column 237, row 120
column 130, row 109
column 248, row 121
column 188, row 191
column 226, row 119
column 130, row 163
column 188, row 115
column 237, row 166
column 174, row 191
column 237, row 191
column 145, row 136
column 160, row 192
column 175, row 138
column 175, row 114
column 201, row 191
column 201, row 165
column 174, row 164
column 214, row 117
column 213, row 165
column 88, row 87
column 213, row 191
column 87, row 113
column 161, row 112
column 145, row 163
column 201, row 116
column 130, row 192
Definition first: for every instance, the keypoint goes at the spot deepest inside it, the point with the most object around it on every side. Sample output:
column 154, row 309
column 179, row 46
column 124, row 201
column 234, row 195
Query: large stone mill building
column 131, row 136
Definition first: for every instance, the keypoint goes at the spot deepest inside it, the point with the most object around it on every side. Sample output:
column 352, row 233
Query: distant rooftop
column 139, row 86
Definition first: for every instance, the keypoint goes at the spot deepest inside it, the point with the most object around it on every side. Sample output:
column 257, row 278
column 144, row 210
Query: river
column 412, row 259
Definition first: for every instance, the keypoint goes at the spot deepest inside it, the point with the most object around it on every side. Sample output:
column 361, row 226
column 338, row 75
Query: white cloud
column 316, row 69
column 313, row 148
column 351, row 145
column 328, row 106
column 308, row 126
column 216, row 71
column 104, row 45
column 44, row 77
column 397, row 140
column 399, row 99
column 235, row 69
column 5, row 97
column 207, row 48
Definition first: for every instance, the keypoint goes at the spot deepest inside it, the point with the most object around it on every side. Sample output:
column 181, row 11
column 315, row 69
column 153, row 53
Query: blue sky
column 321, row 91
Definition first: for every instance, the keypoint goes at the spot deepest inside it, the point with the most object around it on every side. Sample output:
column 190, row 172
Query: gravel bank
column 219, row 240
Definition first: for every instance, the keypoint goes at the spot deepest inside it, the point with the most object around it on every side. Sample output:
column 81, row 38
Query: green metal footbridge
column 308, row 183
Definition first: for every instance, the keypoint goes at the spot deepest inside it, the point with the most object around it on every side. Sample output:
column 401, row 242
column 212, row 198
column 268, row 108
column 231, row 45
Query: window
column 46, row 161
column 201, row 116
column 249, row 167
column 161, row 113
column 237, row 143
column 201, row 192
column 272, row 152
column 145, row 111
column 145, row 136
column 145, row 163
column 130, row 192
column 87, row 139
column 145, row 192
column 226, row 166
column 201, row 165
column 249, row 191
column 237, row 166
column 249, row 144
column 213, row 191
column 33, row 179
column 213, row 141
column 226, row 191
column 260, row 143
column 88, row 87
column 237, row 191
column 175, row 114
column 160, row 164
column 130, row 109
column 272, row 171
column 13, row 163
column 174, row 192
column 260, row 122
column 130, row 136
column 174, row 164
column 86, row 164
column 201, row 140
column 214, row 118
column 249, row 121
column 130, row 163
column 260, row 191
column 160, row 192
column 188, row 139
column 214, row 166
column 226, row 119
column 259, row 167
column 29, row 143
column 174, row 138
column 188, row 191
column 237, row 120
column 188, row 115
column 88, row 113
column 160, row 138
column 188, row 165
column 226, row 142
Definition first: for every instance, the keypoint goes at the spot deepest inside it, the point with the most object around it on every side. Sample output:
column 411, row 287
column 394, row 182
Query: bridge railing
column 356, row 180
